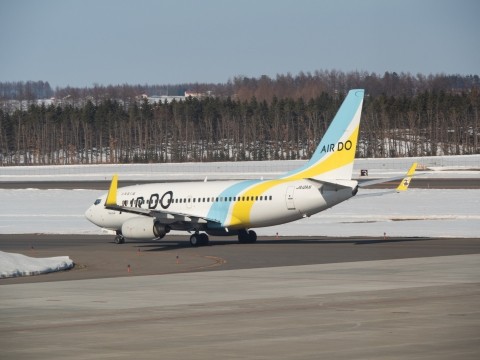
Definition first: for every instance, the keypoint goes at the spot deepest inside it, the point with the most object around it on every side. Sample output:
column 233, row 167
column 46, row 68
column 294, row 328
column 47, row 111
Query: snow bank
column 20, row 265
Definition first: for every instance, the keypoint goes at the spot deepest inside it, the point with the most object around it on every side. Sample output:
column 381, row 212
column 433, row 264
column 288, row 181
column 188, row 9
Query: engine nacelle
column 144, row 228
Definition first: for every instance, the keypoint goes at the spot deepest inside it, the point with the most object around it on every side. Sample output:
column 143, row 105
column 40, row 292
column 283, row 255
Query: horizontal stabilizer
column 340, row 184
column 368, row 183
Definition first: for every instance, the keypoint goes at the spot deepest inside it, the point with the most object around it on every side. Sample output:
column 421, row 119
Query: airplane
column 220, row 208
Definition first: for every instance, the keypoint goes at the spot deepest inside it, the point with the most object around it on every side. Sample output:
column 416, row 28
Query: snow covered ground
column 417, row 212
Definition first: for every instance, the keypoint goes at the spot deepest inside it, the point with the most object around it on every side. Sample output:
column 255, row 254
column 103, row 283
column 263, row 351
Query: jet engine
column 144, row 228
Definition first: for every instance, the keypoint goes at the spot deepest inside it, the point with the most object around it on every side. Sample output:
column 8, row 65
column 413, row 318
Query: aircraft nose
column 89, row 214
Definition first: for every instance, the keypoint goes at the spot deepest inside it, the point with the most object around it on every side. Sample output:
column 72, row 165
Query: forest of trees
column 244, row 119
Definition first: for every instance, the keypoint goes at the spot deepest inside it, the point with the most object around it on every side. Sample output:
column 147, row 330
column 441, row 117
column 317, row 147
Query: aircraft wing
column 170, row 216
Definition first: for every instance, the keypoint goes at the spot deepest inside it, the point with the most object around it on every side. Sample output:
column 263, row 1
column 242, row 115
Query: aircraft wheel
column 242, row 237
column 194, row 240
column 247, row 237
column 204, row 240
column 252, row 236
column 119, row 239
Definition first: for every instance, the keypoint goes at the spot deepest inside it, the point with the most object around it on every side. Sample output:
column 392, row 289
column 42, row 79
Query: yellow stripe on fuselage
column 242, row 209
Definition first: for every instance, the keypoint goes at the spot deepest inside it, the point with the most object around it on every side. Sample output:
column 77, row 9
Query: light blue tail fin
column 334, row 156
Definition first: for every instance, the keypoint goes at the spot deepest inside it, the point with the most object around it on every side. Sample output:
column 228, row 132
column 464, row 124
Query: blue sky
column 80, row 43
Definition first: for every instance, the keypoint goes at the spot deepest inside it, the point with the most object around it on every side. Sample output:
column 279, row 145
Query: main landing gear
column 247, row 237
column 198, row 239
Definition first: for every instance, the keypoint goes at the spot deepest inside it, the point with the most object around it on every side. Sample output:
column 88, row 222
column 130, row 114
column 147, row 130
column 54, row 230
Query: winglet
column 403, row 186
column 112, row 192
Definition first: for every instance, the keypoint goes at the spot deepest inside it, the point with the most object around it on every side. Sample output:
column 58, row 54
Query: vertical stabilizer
column 334, row 156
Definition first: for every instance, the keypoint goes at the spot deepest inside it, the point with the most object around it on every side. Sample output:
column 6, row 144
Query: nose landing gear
column 198, row 239
column 119, row 239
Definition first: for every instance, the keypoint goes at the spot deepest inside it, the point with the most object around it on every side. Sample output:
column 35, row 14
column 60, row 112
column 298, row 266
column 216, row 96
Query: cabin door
column 289, row 198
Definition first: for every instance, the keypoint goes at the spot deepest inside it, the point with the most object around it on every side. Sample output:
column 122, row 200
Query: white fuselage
column 229, row 205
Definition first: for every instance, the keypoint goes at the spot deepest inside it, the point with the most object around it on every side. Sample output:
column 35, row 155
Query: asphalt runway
column 96, row 256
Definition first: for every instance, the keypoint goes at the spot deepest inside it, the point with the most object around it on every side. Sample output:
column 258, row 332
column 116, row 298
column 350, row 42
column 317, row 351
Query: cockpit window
column 98, row 201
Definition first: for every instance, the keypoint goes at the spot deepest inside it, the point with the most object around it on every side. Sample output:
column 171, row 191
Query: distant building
column 198, row 95
column 194, row 94
column 164, row 98
column 169, row 98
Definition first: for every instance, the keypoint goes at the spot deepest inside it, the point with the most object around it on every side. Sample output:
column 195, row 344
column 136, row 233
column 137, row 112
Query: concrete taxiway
column 423, row 308
column 278, row 299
